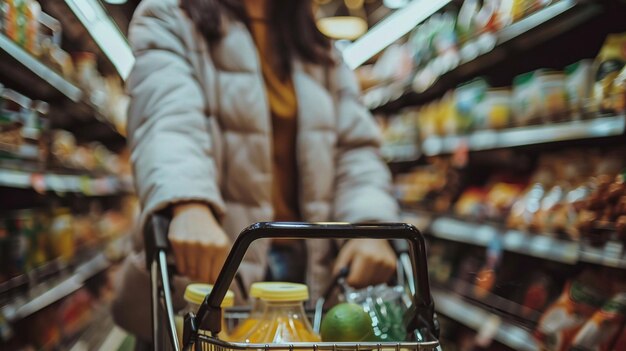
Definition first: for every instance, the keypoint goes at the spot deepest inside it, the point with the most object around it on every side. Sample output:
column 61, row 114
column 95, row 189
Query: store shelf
column 33, row 77
column 611, row 255
column 538, row 27
column 524, row 136
column 484, row 322
column 62, row 183
column 540, row 246
column 23, row 72
column 23, row 307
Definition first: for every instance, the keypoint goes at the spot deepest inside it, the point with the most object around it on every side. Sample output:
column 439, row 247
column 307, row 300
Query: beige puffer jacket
column 199, row 128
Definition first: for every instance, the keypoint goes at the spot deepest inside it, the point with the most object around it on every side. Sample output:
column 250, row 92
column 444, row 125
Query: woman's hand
column 371, row 262
column 200, row 245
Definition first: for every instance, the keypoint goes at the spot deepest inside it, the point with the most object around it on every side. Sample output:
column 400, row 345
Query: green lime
column 347, row 322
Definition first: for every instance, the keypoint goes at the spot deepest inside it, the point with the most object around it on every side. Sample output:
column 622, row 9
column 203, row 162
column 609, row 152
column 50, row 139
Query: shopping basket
column 420, row 320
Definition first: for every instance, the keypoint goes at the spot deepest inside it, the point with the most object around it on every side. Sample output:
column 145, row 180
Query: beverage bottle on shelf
column 601, row 331
column 284, row 319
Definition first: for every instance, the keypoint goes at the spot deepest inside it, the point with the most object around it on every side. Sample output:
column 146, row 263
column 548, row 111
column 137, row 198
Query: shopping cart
column 420, row 319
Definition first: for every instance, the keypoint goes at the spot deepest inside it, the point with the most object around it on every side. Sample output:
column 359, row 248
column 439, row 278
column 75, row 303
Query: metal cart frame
column 421, row 322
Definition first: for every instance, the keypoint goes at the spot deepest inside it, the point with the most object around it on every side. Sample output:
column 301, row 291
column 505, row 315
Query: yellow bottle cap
column 279, row 291
column 195, row 293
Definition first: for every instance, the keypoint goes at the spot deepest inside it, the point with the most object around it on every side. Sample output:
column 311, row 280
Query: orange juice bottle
column 194, row 295
column 283, row 320
column 256, row 291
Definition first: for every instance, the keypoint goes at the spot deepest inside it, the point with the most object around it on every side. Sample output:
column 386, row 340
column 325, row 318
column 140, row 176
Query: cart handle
column 209, row 314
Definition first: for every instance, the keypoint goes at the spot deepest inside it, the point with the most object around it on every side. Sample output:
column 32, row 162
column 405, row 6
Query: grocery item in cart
column 256, row 313
column 284, row 319
column 347, row 322
column 386, row 307
column 580, row 299
column 194, row 295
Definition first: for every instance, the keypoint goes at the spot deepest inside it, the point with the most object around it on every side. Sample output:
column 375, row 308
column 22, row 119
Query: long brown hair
column 292, row 29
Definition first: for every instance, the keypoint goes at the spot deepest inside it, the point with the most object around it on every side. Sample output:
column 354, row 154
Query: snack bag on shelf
column 495, row 111
column 468, row 96
column 500, row 198
column 578, row 83
column 601, row 331
column 610, row 62
column 31, row 31
column 580, row 299
column 553, row 101
column 471, row 203
column 526, row 100
column 550, row 204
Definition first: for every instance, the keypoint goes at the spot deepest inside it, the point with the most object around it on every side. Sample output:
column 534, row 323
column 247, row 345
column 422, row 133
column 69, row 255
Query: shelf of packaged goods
column 565, row 14
column 525, row 136
column 35, row 78
column 62, row 183
column 545, row 247
column 27, row 305
column 540, row 246
column 487, row 324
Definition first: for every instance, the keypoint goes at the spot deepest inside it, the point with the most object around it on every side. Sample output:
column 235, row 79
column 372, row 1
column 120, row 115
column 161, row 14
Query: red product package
column 602, row 330
column 564, row 318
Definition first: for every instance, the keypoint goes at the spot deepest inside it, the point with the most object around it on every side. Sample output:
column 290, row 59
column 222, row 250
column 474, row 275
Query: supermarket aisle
column 503, row 124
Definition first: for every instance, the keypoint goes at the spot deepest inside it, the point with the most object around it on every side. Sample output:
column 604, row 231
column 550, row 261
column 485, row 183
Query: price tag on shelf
column 86, row 186
column 483, row 140
column 514, row 240
column 488, row 331
column 38, row 182
column 613, row 254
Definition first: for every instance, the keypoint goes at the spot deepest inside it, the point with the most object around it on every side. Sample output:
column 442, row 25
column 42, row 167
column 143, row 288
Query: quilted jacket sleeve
column 363, row 181
column 171, row 150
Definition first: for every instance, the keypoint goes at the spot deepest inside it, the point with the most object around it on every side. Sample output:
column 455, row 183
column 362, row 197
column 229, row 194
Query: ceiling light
column 342, row 27
column 115, row 2
column 389, row 30
column 105, row 33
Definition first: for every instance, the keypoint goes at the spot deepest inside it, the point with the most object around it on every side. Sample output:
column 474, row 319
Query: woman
column 241, row 113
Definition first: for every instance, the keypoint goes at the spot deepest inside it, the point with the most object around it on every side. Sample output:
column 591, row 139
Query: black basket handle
column 209, row 314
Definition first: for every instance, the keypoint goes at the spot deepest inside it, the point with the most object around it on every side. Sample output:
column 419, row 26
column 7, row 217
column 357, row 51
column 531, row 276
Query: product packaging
column 578, row 84
column 609, row 63
column 560, row 323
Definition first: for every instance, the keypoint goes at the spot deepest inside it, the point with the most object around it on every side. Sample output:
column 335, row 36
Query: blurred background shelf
column 24, row 306
column 71, row 110
column 31, row 76
column 525, row 136
column 487, row 323
column 535, row 245
column 539, row 246
column 65, row 183
column 523, row 35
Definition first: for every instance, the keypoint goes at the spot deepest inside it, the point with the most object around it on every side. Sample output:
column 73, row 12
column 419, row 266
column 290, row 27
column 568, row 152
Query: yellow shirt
column 284, row 110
